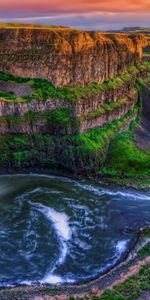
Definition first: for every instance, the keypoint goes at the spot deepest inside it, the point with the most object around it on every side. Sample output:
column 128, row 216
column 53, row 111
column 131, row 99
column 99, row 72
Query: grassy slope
column 124, row 158
column 85, row 150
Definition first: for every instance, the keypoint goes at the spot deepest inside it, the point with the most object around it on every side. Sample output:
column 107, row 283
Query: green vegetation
column 56, row 120
column 83, row 152
column 7, row 95
column 129, row 290
column 145, row 250
column 125, row 159
column 44, row 89
column 8, row 77
column 79, row 153
column 34, row 26
column 147, row 65
column 104, row 109
column 128, row 181
column 146, row 54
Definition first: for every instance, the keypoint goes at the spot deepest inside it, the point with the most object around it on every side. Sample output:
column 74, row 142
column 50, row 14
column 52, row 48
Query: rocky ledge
column 67, row 56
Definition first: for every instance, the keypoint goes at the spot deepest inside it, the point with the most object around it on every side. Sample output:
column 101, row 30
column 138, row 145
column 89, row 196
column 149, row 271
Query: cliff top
column 73, row 35
column 66, row 56
column 31, row 26
column 10, row 25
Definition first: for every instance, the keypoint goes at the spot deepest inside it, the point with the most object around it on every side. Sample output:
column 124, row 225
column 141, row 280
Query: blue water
column 58, row 230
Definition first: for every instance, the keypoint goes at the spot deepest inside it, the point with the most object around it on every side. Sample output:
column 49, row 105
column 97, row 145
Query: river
column 58, row 230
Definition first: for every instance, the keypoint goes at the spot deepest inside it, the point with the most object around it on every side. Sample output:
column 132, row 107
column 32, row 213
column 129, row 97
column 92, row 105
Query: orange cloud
column 78, row 6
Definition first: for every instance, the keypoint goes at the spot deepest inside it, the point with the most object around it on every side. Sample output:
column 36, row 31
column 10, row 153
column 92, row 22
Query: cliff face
column 110, row 103
column 20, row 109
column 67, row 57
column 45, row 125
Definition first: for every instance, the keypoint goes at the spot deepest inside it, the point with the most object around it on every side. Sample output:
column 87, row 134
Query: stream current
column 58, row 230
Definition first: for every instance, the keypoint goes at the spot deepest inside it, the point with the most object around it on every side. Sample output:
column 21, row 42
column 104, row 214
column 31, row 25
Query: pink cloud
column 78, row 6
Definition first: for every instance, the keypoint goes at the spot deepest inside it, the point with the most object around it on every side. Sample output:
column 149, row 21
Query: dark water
column 56, row 230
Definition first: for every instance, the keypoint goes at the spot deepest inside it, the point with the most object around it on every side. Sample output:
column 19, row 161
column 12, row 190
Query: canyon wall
column 95, row 94
column 108, row 104
column 67, row 56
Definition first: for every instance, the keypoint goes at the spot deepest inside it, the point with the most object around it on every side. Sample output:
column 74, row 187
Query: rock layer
column 67, row 56
column 109, row 116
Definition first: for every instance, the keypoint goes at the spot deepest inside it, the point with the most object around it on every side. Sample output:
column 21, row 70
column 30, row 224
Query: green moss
column 84, row 152
column 124, row 158
column 7, row 95
column 44, row 89
column 59, row 116
column 104, row 109
column 131, row 288
column 57, row 119
column 144, row 251
column 147, row 66
column 8, row 77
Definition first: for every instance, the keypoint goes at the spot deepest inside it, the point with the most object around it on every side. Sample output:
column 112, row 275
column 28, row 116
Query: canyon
column 67, row 56
column 74, row 103
column 68, row 92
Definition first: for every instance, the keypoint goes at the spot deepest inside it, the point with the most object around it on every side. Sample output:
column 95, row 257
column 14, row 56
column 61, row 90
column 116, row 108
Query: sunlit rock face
column 67, row 56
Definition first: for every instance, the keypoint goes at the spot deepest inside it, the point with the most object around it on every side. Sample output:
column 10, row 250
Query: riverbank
column 132, row 182
column 137, row 183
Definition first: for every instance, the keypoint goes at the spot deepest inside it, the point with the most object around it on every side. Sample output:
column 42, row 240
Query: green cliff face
column 69, row 112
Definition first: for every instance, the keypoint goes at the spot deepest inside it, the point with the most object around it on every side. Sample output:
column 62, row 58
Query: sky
column 86, row 14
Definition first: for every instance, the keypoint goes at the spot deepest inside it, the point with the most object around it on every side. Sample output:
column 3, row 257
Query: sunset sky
column 93, row 14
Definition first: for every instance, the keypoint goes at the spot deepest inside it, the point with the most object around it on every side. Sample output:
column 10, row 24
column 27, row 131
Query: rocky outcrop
column 14, row 108
column 22, row 126
column 146, row 58
column 67, row 56
column 109, row 116
column 108, row 95
column 109, row 104
column 54, row 133
column 31, row 123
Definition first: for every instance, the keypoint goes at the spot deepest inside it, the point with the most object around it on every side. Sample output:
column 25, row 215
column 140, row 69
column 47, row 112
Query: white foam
column 58, row 219
column 51, row 279
column 132, row 195
column 97, row 190
column 121, row 246
column 102, row 191
column 60, row 223
column 26, row 282
column 5, row 284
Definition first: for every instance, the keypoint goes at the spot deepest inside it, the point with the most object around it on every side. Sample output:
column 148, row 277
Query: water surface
column 57, row 230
